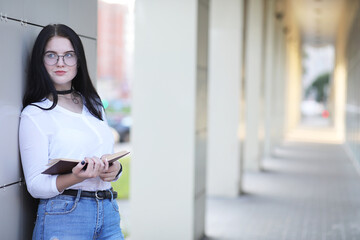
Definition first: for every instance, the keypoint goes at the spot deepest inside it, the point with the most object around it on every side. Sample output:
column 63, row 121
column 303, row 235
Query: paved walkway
column 306, row 192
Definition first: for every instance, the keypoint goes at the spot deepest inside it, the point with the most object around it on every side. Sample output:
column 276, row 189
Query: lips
column 60, row 73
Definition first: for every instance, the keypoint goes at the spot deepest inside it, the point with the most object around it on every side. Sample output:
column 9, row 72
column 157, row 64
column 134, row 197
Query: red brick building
column 114, row 49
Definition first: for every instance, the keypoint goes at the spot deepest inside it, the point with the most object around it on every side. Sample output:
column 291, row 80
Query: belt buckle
column 96, row 195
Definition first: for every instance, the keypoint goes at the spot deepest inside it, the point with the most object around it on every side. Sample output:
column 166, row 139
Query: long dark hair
column 39, row 84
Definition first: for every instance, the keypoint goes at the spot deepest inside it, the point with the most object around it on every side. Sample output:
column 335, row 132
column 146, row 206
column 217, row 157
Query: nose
column 60, row 61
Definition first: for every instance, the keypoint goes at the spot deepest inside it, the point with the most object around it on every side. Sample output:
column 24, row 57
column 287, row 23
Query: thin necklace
column 74, row 99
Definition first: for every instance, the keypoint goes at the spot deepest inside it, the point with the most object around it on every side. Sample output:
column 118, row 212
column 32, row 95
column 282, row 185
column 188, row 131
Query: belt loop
column 111, row 192
column 78, row 195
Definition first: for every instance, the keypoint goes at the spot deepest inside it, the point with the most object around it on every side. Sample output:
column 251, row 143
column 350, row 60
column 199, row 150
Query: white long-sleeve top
column 60, row 133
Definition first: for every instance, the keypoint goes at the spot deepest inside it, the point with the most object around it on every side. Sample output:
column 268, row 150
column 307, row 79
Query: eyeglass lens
column 69, row 58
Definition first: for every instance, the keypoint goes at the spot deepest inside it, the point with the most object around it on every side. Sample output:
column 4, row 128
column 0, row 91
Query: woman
column 63, row 118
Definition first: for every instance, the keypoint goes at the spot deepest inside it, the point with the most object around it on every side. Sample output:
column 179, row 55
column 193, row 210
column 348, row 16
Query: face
column 60, row 72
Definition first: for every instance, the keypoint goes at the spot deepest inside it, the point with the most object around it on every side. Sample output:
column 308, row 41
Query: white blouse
column 60, row 133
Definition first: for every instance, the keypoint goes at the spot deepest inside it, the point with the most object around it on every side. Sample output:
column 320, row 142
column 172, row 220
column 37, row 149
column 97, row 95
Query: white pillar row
column 269, row 75
column 279, row 86
column 224, row 166
column 169, row 109
column 253, row 78
column 283, row 86
column 293, row 82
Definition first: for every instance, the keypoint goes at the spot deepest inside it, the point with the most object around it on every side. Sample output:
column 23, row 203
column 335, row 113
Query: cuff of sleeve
column 119, row 174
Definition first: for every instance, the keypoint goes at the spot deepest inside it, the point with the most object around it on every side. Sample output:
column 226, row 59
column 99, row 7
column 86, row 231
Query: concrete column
column 293, row 84
column 279, row 86
column 283, row 85
column 167, row 195
column 253, row 79
column 269, row 75
column 224, row 166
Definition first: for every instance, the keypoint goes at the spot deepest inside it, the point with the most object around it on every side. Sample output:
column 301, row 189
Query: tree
column 319, row 87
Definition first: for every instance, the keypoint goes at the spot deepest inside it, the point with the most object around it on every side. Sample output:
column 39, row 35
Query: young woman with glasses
column 63, row 118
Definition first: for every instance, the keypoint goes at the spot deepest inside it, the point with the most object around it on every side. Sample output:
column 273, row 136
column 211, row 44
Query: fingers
column 98, row 166
column 111, row 173
column 94, row 167
column 106, row 163
column 78, row 167
column 108, row 176
column 108, row 179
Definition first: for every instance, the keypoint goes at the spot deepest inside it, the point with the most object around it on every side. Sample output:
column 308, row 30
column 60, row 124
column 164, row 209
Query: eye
column 51, row 55
column 70, row 55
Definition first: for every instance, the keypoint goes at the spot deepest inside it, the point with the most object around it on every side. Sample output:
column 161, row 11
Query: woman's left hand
column 110, row 172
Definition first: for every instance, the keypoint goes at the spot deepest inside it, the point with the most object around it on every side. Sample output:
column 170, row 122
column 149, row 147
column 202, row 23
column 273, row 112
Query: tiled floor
column 306, row 192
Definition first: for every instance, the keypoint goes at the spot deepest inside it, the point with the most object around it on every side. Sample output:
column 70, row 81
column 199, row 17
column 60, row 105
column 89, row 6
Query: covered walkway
column 306, row 191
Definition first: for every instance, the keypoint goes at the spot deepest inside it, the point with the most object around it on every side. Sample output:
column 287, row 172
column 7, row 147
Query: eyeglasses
column 51, row 58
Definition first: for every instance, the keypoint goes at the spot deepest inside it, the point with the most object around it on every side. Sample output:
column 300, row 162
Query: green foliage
column 125, row 233
column 122, row 185
column 319, row 86
column 124, row 110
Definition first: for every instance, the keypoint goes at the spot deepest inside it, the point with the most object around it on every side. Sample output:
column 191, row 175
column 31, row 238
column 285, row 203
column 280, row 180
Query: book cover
column 64, row 165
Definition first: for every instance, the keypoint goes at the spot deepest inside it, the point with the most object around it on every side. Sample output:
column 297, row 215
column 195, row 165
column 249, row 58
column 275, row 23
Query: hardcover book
column 65, row 165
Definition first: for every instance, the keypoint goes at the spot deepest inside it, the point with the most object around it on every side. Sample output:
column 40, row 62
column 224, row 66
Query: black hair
column 39, row 84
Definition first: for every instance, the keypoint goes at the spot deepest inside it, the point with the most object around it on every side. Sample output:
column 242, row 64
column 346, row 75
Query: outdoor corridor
column 305, row 192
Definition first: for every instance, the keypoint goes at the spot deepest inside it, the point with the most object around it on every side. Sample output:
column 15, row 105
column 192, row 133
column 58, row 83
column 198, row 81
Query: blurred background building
column 115, row 62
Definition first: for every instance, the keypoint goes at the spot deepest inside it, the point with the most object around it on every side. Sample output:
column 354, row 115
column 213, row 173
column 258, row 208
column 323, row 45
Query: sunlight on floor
column 314, row 130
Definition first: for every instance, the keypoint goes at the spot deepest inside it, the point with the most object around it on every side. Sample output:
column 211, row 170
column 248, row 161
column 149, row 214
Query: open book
column 65, row 165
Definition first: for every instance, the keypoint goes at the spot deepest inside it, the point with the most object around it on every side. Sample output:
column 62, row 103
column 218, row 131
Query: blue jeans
column 67, row 218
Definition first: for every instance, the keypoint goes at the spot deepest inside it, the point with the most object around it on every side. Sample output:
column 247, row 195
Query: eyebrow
column 57, row 52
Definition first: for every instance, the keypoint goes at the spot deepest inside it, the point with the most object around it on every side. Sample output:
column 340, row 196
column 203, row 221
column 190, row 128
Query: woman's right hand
column 94, row 167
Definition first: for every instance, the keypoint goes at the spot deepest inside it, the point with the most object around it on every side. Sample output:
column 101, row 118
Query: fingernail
column 82, row 162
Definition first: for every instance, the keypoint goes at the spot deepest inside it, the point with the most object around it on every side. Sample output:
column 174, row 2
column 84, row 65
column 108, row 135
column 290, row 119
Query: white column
column 167, row 195
column 269, row 74
column 253, row 78
column 279, row 86
column 224, row 168
column 283, row 87
column 293, row 83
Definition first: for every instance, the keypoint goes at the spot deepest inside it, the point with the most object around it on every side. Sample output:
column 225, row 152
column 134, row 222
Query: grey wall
column 20, row 22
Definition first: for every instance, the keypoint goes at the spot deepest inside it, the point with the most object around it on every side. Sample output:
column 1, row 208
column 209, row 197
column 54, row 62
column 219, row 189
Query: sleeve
column 103, row 114
column 105, row 120
column 34, row 157
column 119, row 174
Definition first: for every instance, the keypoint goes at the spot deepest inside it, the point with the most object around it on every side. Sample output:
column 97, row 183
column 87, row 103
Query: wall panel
column 43, row 12
column 14, row 8
column 10, row 98
column 11, row 212
column 83, row 17
column 20, row 23
column 90, row 52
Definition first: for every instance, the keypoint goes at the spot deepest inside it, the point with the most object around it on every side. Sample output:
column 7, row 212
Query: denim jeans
column 68, row 217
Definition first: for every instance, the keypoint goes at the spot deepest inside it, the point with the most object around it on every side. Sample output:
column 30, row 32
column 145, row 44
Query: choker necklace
column 65, row 91
column 73, row 97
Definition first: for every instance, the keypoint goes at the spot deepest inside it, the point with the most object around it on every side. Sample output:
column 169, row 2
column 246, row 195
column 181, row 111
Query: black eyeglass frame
column 63, row 58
